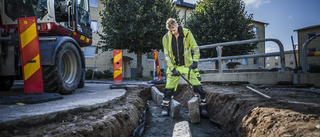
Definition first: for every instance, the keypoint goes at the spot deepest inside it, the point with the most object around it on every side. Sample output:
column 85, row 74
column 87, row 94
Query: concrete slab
column 181, row 129
column 194, row 112
column 91, row 97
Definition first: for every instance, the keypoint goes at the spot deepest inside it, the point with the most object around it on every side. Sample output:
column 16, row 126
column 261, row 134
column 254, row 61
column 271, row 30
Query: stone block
column 182, row 129
column 174, row 109
column 193, row 107
column 156, row 95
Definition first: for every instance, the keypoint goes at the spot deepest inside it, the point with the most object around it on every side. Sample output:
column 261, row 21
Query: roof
column 309, row 27
column 260, row 22
column 184, row 4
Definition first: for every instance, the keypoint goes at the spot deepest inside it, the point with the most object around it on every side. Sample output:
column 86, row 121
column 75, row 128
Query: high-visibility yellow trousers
column 172, row 81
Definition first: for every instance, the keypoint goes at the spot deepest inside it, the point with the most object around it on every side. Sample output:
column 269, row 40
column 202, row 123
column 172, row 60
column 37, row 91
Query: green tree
column 216, row 21
column 137, row 26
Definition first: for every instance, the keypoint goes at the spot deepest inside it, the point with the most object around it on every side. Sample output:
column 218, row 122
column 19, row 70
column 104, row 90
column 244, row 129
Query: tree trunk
column 139, row 64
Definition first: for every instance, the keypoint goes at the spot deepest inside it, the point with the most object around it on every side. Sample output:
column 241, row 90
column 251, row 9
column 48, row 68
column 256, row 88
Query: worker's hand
column 175, row 72
column 194, row 65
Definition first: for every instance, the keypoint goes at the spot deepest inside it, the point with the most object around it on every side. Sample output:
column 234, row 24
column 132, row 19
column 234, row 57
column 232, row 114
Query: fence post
column 219, row 52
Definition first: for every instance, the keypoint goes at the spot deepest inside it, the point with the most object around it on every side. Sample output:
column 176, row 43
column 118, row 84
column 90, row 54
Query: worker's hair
column 171, row 23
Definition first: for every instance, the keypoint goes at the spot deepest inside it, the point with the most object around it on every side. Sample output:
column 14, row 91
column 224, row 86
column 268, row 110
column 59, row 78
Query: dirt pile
column 119, row 119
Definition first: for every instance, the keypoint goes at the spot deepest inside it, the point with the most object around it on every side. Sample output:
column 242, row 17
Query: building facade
column 314, row 46
column 259, row 33
column 275, row 62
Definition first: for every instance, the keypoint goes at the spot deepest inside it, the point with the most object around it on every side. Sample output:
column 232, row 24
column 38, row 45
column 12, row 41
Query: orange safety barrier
column 156, row 61
column 117, row 66
column 30, row 55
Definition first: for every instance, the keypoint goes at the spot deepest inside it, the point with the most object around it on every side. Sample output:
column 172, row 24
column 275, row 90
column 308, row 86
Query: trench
column 233, row 111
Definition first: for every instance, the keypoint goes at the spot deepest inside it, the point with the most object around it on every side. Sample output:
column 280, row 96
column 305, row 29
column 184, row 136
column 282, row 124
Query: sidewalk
column 91, row 97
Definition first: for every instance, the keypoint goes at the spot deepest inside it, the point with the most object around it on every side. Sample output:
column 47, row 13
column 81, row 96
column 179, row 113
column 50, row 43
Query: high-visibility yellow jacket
column 189, row 44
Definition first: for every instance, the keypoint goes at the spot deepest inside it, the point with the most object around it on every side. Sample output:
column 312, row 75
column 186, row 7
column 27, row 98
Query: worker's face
column 174, row 31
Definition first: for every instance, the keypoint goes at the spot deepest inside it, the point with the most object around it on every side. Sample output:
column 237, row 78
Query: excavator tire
column 64, row 76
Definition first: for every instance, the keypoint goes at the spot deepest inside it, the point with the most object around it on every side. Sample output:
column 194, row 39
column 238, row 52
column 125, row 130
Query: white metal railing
column 219, row 46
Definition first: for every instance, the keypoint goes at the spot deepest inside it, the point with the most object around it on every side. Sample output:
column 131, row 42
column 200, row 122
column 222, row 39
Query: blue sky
column 283, row 16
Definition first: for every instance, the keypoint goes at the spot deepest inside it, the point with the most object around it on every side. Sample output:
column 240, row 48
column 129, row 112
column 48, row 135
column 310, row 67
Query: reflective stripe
column 195, row 48
column 169, row 52
column 185, row 49
column 167, row 55
column 197, row 52
column 168, row 60
column 186, row 55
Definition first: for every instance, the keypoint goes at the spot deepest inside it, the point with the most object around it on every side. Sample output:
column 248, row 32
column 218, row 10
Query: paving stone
column 182, row 129
column 193, row 107
column 156, row 95
column 174, row 108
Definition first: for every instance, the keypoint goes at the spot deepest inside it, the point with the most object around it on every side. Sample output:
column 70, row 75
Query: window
column 312, row 50
column 256, row 61
column 291, row 63
column 244, row 61
column 276, row 57
column 310, row 35
column 290, row 56
column 90, row 51
column 257, row 47
column 268, row 65
column 94, row 25
column 93, row 3
column 255, row 30
column 83, row 24
column 276, row 64
column 268, row 58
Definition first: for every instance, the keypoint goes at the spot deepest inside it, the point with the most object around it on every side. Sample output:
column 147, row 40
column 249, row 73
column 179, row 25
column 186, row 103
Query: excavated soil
column 289, row 112
column 114, row 120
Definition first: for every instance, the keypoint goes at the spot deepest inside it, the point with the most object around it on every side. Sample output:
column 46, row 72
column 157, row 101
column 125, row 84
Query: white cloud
column 290, row 17
column 255, row 3
column 271, row 49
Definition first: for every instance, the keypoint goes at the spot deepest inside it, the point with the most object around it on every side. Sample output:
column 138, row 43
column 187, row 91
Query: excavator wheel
column 65, row 75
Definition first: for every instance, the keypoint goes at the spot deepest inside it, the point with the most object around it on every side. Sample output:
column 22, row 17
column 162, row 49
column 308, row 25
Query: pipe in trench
column 256, row 91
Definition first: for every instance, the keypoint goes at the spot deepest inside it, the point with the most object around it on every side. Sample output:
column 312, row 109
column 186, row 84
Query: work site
column 91, row 68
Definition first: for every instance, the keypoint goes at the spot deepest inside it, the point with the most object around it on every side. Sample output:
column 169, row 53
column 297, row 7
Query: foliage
column 98, row 74
column 137, row 26
column 216, row 21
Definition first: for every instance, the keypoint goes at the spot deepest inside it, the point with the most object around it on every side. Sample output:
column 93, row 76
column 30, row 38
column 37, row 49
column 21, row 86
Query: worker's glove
column 175, row 72
column 194, row 65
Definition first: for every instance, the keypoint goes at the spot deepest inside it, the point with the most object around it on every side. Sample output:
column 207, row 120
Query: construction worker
column 178, row 44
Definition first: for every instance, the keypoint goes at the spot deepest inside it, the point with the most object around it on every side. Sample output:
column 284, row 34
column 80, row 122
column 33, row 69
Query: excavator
column 64, row 27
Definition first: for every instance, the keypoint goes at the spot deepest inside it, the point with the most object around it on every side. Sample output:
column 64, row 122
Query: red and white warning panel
column 157, row 64
column 117, row 66
column 30, row 55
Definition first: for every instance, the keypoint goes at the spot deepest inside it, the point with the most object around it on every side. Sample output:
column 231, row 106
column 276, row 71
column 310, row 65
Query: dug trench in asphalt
column 290, row 112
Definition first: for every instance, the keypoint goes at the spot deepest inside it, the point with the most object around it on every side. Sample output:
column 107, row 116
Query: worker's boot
column 203, row 102
column 165, row 107
column 166, row 101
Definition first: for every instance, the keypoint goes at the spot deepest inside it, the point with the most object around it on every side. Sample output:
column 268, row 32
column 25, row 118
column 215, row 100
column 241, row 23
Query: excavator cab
column 54, row 17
